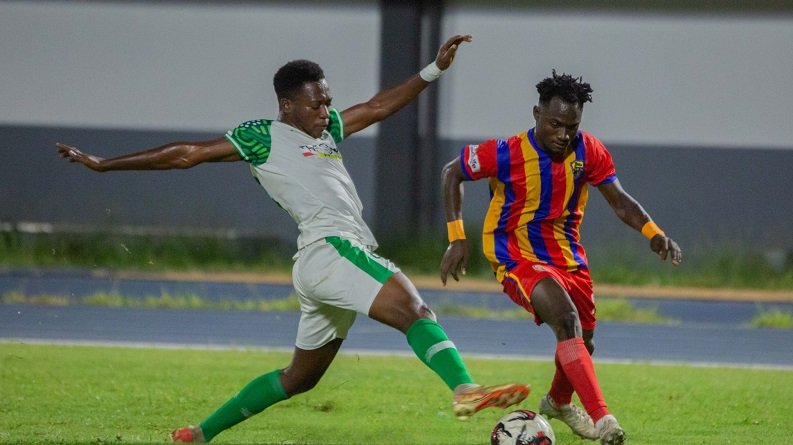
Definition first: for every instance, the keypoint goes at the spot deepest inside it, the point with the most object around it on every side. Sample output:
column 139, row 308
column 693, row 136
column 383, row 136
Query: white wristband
column 430, row 72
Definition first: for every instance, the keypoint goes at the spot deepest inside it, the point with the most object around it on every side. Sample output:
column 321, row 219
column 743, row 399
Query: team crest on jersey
column 473, row 158
column 322, row 150
column 577, row 166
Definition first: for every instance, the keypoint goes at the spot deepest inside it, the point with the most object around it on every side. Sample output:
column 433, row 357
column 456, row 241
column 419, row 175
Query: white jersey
column 306, row 177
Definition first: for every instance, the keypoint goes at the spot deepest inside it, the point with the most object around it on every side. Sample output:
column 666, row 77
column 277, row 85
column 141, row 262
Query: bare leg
column 575, row 369
column 305, row 371
column 308, row 367
column 399, row 305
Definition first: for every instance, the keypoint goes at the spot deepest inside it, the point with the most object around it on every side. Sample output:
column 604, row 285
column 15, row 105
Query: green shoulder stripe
column 336, row 126
column 252, row 140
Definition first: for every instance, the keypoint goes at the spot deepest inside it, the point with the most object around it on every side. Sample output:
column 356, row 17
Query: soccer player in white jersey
column 336, row 274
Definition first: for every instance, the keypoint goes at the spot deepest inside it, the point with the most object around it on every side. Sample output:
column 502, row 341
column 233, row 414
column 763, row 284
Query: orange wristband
column 650, row 229
column 456, row 230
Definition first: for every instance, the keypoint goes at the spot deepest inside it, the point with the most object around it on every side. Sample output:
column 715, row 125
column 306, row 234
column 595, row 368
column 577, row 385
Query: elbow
column 182, row 163
column 378, row 112
column 183, row 156
column 450, row 172
column 446, row 173
column 447, row 169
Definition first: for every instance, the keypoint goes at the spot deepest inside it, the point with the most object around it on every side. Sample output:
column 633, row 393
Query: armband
column 650, row 229
column 430, row 72
column 456, row 230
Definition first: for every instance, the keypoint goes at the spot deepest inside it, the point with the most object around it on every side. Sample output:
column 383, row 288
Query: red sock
column 561, row 389
column 579, row 370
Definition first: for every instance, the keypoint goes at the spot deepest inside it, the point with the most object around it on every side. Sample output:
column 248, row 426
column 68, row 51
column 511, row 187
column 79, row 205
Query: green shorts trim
column 367, row 261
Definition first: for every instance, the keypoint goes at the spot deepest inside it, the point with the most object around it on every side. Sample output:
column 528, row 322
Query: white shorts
column 335, row 278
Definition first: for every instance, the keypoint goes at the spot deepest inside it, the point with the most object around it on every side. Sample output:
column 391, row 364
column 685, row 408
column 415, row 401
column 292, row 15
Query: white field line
column 377, row 353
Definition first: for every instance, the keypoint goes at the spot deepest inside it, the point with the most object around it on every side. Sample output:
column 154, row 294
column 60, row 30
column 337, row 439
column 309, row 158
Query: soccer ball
column 522, row 427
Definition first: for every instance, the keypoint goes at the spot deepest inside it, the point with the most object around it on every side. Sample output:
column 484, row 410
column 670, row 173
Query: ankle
column 602, row 420
column 463, row 387
column 198, row 434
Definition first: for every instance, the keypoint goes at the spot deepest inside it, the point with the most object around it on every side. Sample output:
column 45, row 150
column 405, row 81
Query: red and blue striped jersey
column 536, row 204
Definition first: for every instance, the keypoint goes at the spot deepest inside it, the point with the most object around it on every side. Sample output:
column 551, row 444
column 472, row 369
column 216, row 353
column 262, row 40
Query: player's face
column 556, row 126
column 308, row 110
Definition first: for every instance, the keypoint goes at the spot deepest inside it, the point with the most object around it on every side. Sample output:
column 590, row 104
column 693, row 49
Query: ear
column 536, row 112
column 285, row 105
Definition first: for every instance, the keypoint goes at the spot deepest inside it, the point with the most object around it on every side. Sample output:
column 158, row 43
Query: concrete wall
column 695, row 108
column 671, row 80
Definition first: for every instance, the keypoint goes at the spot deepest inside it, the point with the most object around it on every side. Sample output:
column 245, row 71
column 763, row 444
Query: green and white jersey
column 306, row 177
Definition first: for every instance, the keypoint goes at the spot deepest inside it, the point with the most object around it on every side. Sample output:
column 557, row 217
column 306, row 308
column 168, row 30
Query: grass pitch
column 110, row 395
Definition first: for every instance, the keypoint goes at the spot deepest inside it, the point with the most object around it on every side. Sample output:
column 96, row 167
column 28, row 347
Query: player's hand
column 448, row 50
column 455, row 260
column 72, row 154
column 666, row 247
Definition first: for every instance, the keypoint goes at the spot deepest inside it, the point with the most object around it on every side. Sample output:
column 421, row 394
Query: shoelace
column 580, row 415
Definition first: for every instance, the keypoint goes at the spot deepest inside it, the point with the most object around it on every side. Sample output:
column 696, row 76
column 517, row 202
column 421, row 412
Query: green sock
column 260, row 393
column 434, row 348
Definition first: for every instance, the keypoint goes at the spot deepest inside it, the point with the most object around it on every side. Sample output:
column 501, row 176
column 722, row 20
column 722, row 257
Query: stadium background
column 693, row 100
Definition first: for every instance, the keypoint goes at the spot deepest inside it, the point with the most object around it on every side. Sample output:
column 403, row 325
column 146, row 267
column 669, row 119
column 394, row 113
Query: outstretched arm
column 389, row 101
column 631, row 213
column 174, row 155
column 455, row 259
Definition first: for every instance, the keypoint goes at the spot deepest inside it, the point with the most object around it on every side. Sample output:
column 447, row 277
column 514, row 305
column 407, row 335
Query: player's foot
column 609, row 431
column 576, row 418
column 188, row 434
column 469, row 399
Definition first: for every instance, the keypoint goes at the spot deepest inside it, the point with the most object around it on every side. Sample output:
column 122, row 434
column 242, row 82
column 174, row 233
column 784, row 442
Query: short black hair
column 291, row 77
column 568, row 88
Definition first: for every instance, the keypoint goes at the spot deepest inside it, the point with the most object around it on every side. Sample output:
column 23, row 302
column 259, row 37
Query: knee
column 568, row 325
column 305, row 386
column 425, row 311
column 295, row 383
column 414, row 314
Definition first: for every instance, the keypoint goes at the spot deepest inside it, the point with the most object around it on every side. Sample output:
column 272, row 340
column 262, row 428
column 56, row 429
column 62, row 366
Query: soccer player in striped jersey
column 336, row 272
column 539, row 188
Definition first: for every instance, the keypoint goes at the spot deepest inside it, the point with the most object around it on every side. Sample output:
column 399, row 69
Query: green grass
column 608, row 309
column 164, row 300
column 97, row 395
column 143, row 252
column 624, row 311
column 706, row 265
column 629, row 262
column 773, row 318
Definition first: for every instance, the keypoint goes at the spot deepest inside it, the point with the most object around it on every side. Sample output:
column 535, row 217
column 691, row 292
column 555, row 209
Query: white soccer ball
column 522, row 427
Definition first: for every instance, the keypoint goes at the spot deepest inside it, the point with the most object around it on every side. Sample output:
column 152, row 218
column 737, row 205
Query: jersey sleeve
column 252, row 140
column 479, row 160
column 600, row 165
column 336, row 125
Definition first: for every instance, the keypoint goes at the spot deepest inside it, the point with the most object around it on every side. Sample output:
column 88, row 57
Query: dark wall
column 37, row 186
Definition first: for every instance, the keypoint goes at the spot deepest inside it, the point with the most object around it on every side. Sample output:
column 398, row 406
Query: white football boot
column 576, row 418
column 609, row 431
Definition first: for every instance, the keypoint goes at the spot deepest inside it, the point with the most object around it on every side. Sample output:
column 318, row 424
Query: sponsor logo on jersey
column 322, row 150
column 577, row 166
column 473, row 158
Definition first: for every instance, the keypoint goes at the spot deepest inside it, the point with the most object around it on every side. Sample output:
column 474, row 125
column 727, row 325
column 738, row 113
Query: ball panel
column 522, row 427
